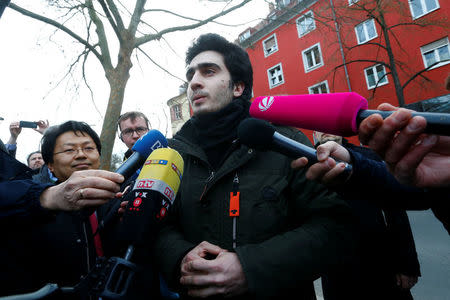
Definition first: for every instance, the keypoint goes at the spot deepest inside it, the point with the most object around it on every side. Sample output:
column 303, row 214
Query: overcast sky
column 33, row 59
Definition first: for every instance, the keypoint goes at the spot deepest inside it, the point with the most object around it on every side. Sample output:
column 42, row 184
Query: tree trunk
column 392, row 63
column 117, row 79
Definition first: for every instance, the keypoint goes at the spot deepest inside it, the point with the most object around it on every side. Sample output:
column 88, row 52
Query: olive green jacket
column 289, row 229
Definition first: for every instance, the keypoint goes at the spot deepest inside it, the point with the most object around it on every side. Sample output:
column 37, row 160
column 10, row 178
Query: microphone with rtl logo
column 153, row 193
column 148, row 203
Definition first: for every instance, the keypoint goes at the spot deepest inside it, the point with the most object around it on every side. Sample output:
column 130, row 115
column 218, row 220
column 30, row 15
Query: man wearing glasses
column 59, row 247
column 132, row 125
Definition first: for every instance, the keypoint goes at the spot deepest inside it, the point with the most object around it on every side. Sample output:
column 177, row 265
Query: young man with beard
column 244, row 224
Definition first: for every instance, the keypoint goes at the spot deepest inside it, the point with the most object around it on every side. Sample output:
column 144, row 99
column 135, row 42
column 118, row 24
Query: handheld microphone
column 336, row 113
column 141, row 150
column 153, row 193
column 148, row 203
column 262, row 135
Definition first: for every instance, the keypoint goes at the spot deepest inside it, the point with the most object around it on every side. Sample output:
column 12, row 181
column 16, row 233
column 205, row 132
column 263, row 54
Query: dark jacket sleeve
column 12, row 149
column 19, row 195
column 20, row 198
column 401, row 242
column 374, row 177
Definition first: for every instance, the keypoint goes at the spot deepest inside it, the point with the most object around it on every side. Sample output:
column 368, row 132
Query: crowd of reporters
column 294, row 224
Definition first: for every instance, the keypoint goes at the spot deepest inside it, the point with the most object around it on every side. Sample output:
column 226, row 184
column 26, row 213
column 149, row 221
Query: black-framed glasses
column 129, row 131
column 72, row 151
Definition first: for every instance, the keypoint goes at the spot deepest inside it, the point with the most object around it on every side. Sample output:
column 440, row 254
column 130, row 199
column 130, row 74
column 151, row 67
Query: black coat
column 385, row 245
column 54, row 249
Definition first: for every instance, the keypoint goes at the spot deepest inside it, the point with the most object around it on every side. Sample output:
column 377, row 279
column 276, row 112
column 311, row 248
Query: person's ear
column 50, row 167
column 238, row 89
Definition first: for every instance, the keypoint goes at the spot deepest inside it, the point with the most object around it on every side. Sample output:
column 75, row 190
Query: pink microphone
column 336, row 113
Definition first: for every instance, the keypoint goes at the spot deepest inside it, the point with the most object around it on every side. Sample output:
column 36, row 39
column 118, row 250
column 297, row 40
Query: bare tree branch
column 159, row 66
column 110, row 19
column 407, row 24
column 105, row 58
column 367, row 43
column 112, row 7
column 193, row 19
column 421, row 71
column 136, row 17
column 157, row 36
column 57, row 25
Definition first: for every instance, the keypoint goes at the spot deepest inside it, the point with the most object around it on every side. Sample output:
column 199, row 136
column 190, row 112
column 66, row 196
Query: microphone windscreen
column 148, row 142
column 162, row 172
column 331, row 113
column 256, row 133
column 151, row 197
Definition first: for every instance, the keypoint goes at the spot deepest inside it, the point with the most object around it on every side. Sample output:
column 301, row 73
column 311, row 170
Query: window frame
column 274, row 36
column 317, row 85
column 423, row 5
column 433, row 47
column 303, row 16
column 365, row 31
column 305, row 59
column 373, row 67
column 271, row 86
column 177, row 112
column 245, row 35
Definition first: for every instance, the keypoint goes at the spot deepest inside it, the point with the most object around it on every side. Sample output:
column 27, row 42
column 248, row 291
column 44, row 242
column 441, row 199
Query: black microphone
column 141, row 150
column 148, row 203
column 151, row 197
column 262, row 135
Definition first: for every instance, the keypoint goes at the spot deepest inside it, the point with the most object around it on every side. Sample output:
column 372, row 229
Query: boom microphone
column 336, row 113
column 153, row 193
column 141, row 150
column 262, row 135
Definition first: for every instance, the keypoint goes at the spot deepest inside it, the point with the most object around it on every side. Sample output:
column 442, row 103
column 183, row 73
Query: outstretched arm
column 414, row 158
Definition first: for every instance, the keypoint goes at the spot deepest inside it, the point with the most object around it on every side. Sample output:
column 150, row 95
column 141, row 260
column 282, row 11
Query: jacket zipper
column 234, row 207
column 208, row 180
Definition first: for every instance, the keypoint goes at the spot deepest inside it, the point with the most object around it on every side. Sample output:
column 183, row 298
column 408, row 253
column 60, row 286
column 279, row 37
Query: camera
column 28, row 124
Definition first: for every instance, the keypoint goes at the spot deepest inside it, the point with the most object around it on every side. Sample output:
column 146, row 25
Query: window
column 320, row 88
column 275, row 75
column 375, row 76
column 244, row 35
column 366, row 31
column 312, row 58
column 422, row 7
column 270, row 45
column 436, row 52
column 305, row 24
column 350, row 2
column 283, row 3
column 176, row 112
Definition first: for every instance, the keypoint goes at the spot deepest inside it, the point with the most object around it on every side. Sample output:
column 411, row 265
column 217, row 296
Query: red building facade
column 329, row 46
